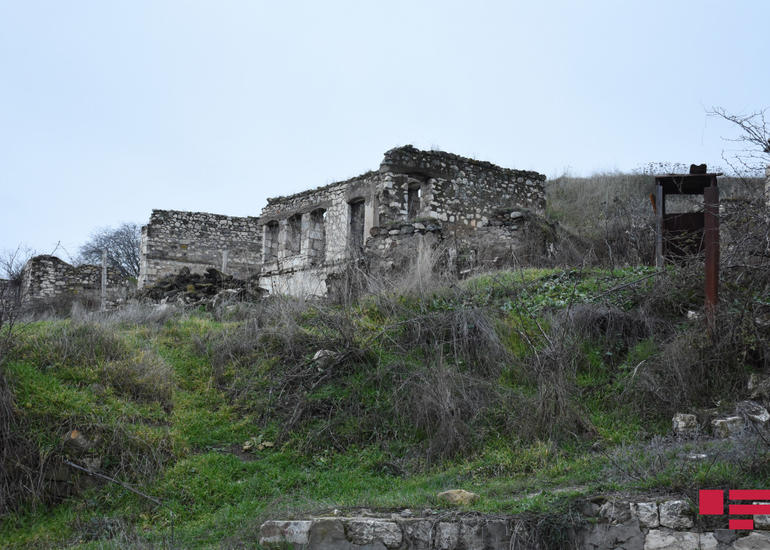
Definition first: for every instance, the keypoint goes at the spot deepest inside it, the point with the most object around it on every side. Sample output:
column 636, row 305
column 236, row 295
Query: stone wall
column 47, row 278
column 453, row 189
column 601, row 524
column 197, row 240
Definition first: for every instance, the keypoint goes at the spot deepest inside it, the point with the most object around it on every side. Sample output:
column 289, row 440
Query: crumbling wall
column 452, row 189
column 198, row 240
column 47, row 278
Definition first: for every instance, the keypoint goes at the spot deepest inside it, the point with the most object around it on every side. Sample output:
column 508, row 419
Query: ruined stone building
column 480, row 215
column 47, row 278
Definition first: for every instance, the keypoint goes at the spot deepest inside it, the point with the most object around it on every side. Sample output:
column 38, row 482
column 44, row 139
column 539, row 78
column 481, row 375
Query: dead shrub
column 467, row 335
column 595, row 321
column 446, row 406
column 556, row 412
column 144, row 377
column 18, row 456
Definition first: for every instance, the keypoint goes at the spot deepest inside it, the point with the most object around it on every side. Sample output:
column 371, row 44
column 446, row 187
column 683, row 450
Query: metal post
column 659, row 198
column 104, row 280
column 711, row 242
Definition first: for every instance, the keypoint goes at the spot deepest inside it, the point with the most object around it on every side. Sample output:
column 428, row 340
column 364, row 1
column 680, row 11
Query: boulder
column 76, row 444
column 457, row 497
column 727, row 427
column 685, row 424
column 755, row 412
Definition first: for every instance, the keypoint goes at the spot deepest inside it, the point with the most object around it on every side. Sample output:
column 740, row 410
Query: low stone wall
column 198, row 240
column 47, row 278
column 603, row 524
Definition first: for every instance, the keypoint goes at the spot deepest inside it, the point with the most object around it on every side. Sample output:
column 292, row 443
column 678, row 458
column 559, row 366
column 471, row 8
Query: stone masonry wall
column 46, row 278
column 602, row 524
column 197, row 240
column 314, row 235
column 454, row 189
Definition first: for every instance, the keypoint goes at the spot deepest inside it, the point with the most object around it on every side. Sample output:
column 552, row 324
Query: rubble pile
column 212, row 286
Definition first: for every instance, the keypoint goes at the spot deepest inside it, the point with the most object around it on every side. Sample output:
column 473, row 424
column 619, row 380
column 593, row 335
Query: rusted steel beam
column 659, row 212
column 711, row 238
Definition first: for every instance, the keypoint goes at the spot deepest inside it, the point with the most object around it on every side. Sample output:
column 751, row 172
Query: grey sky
column 110, row 109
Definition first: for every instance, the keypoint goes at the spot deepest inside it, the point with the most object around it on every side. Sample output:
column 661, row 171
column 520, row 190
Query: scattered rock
column 685, row 424
column 646, row 513
column 324, row 357
column 694, row 315
column 672, row 540
column 458, row 497
column 212, row 287
column 76, row 444
column 755, row 412
column 697, row 456
column 675, row 514
column 759, row 386
column 727, row 427
column 762, row 521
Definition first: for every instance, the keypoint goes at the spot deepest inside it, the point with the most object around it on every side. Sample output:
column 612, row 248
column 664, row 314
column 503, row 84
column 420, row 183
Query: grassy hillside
column 530, row 388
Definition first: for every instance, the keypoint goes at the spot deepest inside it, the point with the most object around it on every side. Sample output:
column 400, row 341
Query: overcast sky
column 109, row 109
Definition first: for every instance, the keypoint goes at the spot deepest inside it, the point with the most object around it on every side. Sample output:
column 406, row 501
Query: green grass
column 211, row 494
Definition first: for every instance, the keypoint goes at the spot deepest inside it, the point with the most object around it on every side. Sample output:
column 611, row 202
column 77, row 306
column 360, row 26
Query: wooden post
column 104, row 280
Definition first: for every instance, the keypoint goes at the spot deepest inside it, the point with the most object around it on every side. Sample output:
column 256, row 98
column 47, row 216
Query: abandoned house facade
column 478, row 214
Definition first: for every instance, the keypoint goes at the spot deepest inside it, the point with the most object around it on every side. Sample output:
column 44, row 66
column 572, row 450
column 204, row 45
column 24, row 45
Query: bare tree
column 12, row 262
column 122, row 246
column 754, row 153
